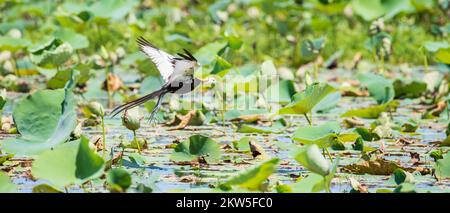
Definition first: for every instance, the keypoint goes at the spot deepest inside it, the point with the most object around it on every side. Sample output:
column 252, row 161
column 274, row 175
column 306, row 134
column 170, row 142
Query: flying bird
column 177, row 73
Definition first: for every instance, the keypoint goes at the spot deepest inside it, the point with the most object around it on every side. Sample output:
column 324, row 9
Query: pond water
column 167, row 176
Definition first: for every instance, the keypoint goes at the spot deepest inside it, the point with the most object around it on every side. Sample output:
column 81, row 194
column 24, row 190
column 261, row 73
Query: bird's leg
column 155, row 109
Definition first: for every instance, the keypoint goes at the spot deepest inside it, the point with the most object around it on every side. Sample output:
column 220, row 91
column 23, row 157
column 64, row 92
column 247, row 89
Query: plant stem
column 425, row 59
column 78, row 56
column 16, row 70
column 328, row 154
column 390, row 113
column 307, row 118
column 136, row 141
column 448, row 113
column 121, row 157
column 104, row 137
column 327, row 187
column 316, row 72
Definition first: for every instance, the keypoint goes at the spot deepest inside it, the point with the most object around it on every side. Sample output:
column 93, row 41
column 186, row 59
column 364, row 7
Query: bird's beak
column 208, row 84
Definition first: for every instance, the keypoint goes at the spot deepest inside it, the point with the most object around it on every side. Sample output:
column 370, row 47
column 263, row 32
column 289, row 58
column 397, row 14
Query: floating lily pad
column 72, row 162
column 322, row 135
column 253, row 178
column 235, row 113
column 276, row 127
column 197, row 146
column 413, row 89
column 371, row 111
column 45, row 188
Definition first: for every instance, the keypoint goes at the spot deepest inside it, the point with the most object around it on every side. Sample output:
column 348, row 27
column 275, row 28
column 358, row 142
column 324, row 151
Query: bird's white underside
column 163, row 62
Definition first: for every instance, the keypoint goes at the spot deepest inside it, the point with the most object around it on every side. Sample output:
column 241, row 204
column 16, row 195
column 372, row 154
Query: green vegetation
column 309, row 96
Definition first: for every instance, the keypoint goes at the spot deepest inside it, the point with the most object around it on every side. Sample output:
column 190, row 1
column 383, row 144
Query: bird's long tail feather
column 137, row 102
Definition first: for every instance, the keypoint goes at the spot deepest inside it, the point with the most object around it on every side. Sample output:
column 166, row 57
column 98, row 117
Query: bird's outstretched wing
column 163, row 61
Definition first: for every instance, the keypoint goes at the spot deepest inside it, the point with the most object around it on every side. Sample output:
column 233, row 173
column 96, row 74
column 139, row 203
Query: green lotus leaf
column 195, row 147
column 322, row 135
column 305, row 101
column 44, row 119
column 253, row 178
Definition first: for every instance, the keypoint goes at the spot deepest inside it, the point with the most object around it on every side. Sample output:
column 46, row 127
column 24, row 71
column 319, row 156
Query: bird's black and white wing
column 163, row 61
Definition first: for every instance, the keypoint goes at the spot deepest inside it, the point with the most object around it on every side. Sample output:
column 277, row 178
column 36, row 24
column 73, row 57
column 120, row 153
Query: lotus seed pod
column 253, row 13
column 232, row 7
column 131, row 119
column 112, row 83
column 120, row 52
column 96, row 108
column 98, row 61
column 385, row 49
column 15, row 33
column 4, row 56
column 8, row 66
column 376, row 27
column 9, row 81
column 113, row 57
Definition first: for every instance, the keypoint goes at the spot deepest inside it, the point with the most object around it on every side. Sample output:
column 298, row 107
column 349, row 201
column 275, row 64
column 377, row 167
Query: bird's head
column 209, row 82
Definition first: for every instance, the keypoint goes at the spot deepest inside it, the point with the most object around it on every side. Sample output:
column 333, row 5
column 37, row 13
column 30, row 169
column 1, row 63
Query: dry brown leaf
column 415, row 157
column 356, row 59
column 405, row 141
column 440, row 107
column 355, row 93
column 193, row 117
column 249, row 118
column 112, row 83
column 188, row 179
column 114, row 160
column 378, row 166
column 98, row 142
column 358, row 186
column 255, row 149
column 352, row 122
